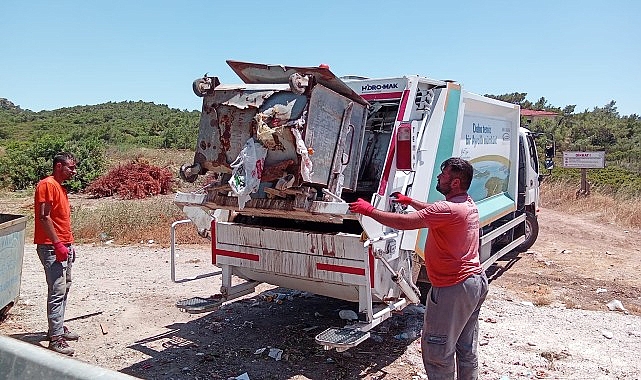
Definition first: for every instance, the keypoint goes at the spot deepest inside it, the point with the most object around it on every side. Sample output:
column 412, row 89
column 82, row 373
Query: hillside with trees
column 29, row 139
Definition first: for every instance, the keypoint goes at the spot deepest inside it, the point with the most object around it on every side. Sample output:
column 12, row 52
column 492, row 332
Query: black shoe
column 59, row 344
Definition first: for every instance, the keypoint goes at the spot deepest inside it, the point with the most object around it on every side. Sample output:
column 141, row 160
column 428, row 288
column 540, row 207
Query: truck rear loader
column 285, row 151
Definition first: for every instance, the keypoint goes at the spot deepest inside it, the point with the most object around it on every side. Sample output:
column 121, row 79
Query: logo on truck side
column 378, row 87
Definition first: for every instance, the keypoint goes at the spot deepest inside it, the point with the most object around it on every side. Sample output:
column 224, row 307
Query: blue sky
column 56, row 54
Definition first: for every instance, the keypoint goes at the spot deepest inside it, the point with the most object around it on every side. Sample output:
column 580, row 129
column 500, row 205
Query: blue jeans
column 451, row 328
column 58, row 283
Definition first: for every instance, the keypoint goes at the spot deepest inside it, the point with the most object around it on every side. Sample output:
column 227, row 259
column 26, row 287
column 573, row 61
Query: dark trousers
column 451, row 327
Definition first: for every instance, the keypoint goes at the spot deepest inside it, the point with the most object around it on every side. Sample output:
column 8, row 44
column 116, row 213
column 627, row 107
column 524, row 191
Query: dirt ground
column 545, row 317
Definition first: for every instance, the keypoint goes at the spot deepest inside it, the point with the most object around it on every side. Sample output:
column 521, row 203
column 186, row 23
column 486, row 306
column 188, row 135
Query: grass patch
column 131, row 222
column 620, row 208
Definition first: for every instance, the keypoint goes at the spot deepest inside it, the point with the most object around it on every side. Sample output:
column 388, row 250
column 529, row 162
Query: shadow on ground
column 224, row 343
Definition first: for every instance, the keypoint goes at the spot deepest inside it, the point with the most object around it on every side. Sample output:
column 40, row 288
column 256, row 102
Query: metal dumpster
column 12, row 234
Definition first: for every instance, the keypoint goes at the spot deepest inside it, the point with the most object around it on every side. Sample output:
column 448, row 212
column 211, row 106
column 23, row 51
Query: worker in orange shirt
column 449, row 340
column 54, row 239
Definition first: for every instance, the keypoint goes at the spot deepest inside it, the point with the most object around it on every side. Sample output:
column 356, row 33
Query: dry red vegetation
column 135, row 180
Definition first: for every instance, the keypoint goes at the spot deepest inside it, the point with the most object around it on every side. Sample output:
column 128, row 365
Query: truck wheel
column 531, row 232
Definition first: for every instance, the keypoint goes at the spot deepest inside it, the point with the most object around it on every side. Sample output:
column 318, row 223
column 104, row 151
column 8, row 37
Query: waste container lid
column 257, row 73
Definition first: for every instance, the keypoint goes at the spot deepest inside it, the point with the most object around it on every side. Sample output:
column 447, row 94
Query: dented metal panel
column 229, row 118
column 262, row 73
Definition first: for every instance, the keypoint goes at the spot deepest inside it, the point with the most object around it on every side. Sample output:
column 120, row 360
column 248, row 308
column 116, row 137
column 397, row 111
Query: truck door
column 529, row 167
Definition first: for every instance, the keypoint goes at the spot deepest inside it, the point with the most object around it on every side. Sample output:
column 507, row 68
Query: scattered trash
column 317, row 314
column 532, row 344
column 244, row 376
column 150, row 241
column 601, row 290
column 275, row 353
column 566, row 251
column 349, row 315
column 110, row 241
column 609, row 253
column 403, row 336
column 607, row 333
column 527, row 303
column 490, row 320
column 616, row 305
column 484, row 342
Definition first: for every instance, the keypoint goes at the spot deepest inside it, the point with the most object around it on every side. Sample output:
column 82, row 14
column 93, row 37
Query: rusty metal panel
column 262, row 73
column 228, row 119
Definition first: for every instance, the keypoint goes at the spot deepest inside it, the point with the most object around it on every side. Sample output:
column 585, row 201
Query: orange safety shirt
column 50, row 191
column 452, row 245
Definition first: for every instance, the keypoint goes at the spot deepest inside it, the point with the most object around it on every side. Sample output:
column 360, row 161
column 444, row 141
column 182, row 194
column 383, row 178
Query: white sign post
column 584, row 161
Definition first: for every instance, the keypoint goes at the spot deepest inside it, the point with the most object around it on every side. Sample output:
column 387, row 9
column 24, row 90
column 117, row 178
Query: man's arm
column 44, row 211
column 405, row 200
column 409, row 221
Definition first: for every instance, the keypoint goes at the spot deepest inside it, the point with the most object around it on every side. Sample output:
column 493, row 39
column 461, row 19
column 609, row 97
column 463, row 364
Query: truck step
column 341, row 338
column 196, row 305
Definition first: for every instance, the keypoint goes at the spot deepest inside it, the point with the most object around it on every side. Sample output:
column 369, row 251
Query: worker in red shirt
column 53, row 238
column 449, row 340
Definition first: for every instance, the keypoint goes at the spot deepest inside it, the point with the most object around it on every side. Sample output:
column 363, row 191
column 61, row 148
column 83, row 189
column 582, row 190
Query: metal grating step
column 197, row 305
column 341, row 338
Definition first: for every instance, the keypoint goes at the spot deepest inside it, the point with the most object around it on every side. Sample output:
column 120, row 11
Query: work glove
column 62, row 252
column 400, row 198
column 361, row 206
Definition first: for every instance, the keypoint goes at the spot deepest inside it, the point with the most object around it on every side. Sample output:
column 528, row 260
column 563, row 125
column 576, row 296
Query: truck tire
column 531, row 232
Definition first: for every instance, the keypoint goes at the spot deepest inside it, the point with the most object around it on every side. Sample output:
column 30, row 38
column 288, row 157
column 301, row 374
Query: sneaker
column 68, row 335
column 59, row 344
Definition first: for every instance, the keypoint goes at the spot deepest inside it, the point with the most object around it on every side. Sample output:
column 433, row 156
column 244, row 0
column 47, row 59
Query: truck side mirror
column 549, row 151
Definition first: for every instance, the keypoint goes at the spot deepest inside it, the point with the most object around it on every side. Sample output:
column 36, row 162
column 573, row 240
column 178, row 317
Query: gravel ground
column 542, row 318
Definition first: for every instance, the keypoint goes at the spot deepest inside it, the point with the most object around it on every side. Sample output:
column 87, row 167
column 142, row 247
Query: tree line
column 29, row 139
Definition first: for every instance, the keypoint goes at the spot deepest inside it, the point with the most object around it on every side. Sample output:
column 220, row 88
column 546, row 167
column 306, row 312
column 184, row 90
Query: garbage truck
column 286, row 150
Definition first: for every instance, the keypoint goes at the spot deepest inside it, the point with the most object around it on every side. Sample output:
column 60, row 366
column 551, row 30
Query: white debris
column 601, row 290
column 616, row 305
column 275, row 353
column 349, row 315
column 607, row 333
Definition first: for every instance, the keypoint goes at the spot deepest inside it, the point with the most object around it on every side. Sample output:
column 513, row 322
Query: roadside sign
column 584, row 160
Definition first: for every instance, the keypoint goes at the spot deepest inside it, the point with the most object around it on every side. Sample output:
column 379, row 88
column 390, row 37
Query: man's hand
column 361, row 206
column 62, row 252
column 400, row 198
